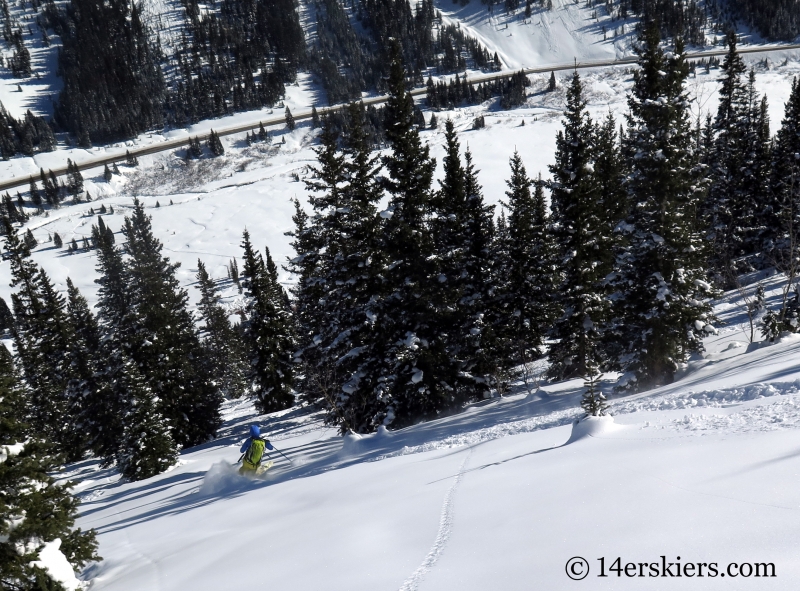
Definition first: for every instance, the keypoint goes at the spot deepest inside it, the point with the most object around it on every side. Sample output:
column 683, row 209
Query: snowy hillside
column 500, row 496
column 214, row 200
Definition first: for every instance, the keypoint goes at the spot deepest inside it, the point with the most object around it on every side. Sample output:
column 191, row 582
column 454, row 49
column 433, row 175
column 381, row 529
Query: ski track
column 443, row 535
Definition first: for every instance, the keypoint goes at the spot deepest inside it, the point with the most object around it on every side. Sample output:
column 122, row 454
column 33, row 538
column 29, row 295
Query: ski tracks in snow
column 442, row 536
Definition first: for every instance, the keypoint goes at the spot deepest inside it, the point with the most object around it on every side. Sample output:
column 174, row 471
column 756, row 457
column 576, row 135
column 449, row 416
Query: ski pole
column 283, row 454
column 239, row 460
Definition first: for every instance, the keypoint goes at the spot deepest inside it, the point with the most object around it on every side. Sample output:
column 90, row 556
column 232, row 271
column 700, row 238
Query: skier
column 253, row 450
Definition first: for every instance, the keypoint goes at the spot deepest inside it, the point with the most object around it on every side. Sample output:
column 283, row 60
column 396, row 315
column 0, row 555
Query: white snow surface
column 55, row 563
column 498, row 496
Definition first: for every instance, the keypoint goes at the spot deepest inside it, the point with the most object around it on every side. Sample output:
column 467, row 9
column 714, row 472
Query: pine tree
column 222, row 354
column 318, row 247
column 661, row 288
column 36, row 510
column 145, row 446
column 107, row 176
column 581, row 238
column 57, row 242
column 215, row 144
column 593, row 401
column 478, row 317
column 315, row 120
column 36, row 197
column 525, row 268
column 30, row 240
column 41, row 336
column 785, row 184
column 165, row 345
column 290, row 123
column 417, row 381
column 733, row 199
column 267, row 332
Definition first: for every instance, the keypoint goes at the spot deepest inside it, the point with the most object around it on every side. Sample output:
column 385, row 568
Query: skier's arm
column 269, row 445
column 245, row 446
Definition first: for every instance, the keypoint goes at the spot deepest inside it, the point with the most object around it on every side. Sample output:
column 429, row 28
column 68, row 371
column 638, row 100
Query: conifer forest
column 434, row 291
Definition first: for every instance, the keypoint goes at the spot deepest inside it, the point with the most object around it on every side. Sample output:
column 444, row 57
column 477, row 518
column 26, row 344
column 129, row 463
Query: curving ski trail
column 443, row 535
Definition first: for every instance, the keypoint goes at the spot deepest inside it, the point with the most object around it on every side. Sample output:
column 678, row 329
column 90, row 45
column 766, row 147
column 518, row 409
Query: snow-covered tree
column 165, row 344
column 582, row 239
column 417, row 378
column 525, row 268
column 223, row 354
column 738, row 173
column 268, row 333
column 36, row 511
column 661, row 291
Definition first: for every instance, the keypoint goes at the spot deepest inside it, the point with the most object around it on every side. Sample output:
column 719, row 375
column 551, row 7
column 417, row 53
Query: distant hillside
column 105, row 72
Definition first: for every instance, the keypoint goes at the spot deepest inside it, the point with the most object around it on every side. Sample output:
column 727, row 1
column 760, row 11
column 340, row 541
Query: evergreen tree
column 340, row 261
column 30, row 240
column 315, row 120
column 582, row 240
column 785, row 182
column 479, row 346
column 42, row 336
column 738, row 182
column 290, row 124
column 36, row 510
column 165, row 344
column 57, row 242
column 222, row 354
column 145, row 446
column 215, row 144
column 417, row 379
column 36, row 197
column 661, row 292
column 267, row 331
column 525, row 267
column 318, row 247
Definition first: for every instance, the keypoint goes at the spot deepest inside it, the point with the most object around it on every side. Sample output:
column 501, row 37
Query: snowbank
column 55, row 563
column 592, row 427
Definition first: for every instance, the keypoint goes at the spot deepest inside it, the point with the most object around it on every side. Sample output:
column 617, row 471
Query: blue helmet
column 255, row 431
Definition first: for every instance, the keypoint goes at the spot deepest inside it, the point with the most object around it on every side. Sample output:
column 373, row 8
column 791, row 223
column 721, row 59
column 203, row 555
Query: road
column 120, row 155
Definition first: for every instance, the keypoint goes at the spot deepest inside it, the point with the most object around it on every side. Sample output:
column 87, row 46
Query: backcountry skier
column 253, row 450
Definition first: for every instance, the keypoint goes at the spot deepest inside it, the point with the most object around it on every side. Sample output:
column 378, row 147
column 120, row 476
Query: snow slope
column 499, row 496
column 556, row 36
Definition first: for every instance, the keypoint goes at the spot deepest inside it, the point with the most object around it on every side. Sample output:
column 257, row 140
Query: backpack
column 255, row 452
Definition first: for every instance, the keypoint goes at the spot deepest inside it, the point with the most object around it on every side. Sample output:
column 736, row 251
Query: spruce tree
column 42, row 335
column 346, row 269
column 417, row 380
column 319, row 251
column 661, row 289
column 290, row 123
column 223, row 355
column 36, row 510
column 268, row 333
column 94, row 408
column 145, row 446
column 525, row 268
column 478, row 317
column 583, row 245
column 737, row 186
column 785, row 183
column 165, row 345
